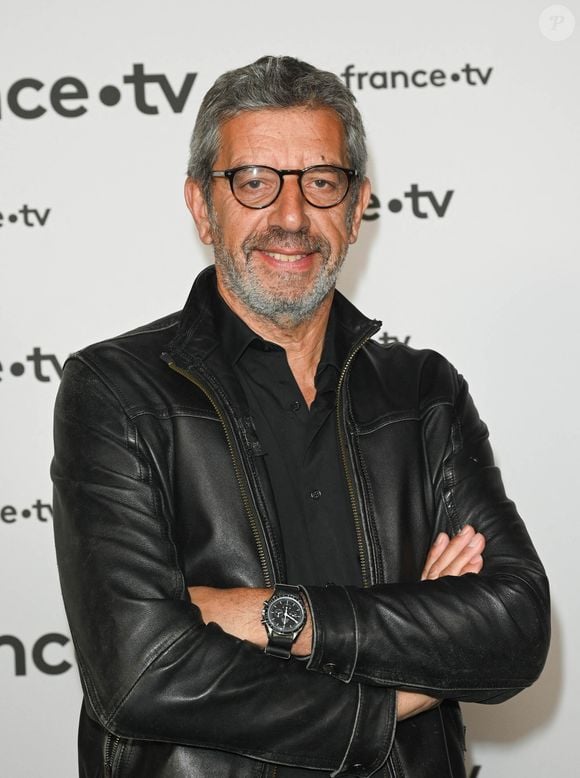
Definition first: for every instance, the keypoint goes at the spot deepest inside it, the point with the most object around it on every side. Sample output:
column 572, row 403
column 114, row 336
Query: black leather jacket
column 159, row 486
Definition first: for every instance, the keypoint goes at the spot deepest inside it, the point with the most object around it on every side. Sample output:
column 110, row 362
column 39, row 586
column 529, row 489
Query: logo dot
column 455, row 76
column 26, row 513
column 109, row 95
column 13, row 218
column 17, row 369
column 394, row 205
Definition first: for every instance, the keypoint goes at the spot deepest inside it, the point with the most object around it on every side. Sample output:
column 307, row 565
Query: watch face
column 285, row 614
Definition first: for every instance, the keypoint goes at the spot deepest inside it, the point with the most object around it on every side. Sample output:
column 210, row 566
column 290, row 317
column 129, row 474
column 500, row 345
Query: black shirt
column 301, row 452
column 301, row 456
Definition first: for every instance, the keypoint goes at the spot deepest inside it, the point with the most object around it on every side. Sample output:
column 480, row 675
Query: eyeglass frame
column 231, row 172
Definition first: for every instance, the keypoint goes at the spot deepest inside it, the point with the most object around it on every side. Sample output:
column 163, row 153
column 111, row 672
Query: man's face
column 279, row 262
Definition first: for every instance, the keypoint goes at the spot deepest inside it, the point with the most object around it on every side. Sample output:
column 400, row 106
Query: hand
column 462, row 554
column 411, row 703
column 457, row 556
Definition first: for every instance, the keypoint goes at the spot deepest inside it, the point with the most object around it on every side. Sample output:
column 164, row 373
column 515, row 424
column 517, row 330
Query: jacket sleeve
column 476, row 638
column 150, row 668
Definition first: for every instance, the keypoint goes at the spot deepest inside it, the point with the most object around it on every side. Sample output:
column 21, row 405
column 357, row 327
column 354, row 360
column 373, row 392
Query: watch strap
column 279, row 645
column 284, row 588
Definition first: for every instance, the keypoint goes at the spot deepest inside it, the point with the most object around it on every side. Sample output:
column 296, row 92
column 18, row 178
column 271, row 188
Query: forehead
column 283, row 137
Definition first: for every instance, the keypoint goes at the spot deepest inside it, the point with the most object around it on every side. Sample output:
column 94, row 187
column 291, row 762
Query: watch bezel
column 269, row 617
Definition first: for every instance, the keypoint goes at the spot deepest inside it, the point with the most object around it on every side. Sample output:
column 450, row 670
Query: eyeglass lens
column 322, row 186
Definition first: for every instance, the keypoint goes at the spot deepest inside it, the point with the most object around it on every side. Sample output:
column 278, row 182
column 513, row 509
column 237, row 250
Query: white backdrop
column 95, row 239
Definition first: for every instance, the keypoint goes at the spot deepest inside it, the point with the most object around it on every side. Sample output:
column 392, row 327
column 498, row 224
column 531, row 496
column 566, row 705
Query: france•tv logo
column 69, row 96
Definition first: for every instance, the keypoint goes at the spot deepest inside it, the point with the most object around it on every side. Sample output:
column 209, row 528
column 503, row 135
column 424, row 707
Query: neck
column 302, row 341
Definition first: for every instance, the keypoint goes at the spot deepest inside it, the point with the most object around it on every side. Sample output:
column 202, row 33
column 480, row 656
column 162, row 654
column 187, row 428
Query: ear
column 198, row 209
column 363, row 200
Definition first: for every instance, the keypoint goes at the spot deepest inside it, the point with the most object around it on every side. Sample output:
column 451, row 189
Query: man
column 258, row 448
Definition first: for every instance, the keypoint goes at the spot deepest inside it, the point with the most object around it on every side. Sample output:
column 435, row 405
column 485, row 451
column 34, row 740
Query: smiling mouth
column 285, row 257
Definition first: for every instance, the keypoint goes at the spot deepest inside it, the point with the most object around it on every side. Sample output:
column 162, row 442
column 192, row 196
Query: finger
column 475, row 566
column 441, row 543
column 459, row 564
column 454, row 549
column 450, row 552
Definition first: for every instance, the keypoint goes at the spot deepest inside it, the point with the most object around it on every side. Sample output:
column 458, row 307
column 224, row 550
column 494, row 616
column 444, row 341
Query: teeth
column 285, row 257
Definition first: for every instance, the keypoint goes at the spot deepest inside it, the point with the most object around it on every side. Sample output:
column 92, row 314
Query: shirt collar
column 237, row 337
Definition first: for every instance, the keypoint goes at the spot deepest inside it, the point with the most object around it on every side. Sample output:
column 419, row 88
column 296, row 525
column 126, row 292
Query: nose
column 289, row 210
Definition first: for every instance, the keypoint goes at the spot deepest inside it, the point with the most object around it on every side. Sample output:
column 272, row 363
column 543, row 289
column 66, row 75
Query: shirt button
column 315, row 494
column 295, row 406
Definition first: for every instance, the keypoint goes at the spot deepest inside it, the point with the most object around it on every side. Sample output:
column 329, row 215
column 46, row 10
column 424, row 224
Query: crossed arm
column 238, row 610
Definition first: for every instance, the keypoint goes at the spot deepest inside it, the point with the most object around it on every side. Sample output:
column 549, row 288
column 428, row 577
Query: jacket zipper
column 359, row 532
column 111, row 745
column 238, row 470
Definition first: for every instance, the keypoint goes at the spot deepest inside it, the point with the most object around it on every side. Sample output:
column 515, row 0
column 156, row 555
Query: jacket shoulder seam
column 172, row 412
column 105, row 380
column 399, row 416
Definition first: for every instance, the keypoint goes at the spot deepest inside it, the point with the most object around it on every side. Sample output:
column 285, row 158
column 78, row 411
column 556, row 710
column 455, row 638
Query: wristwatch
column 283, row 616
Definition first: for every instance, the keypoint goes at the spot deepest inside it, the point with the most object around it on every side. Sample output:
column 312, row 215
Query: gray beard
column 278, row 305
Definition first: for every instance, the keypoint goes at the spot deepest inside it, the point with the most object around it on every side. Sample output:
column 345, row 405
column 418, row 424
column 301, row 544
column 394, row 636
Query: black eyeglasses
column 257, row 186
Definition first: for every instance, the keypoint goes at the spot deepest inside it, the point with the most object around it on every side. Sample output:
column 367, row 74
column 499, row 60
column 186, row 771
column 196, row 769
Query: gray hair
column 273, row 82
